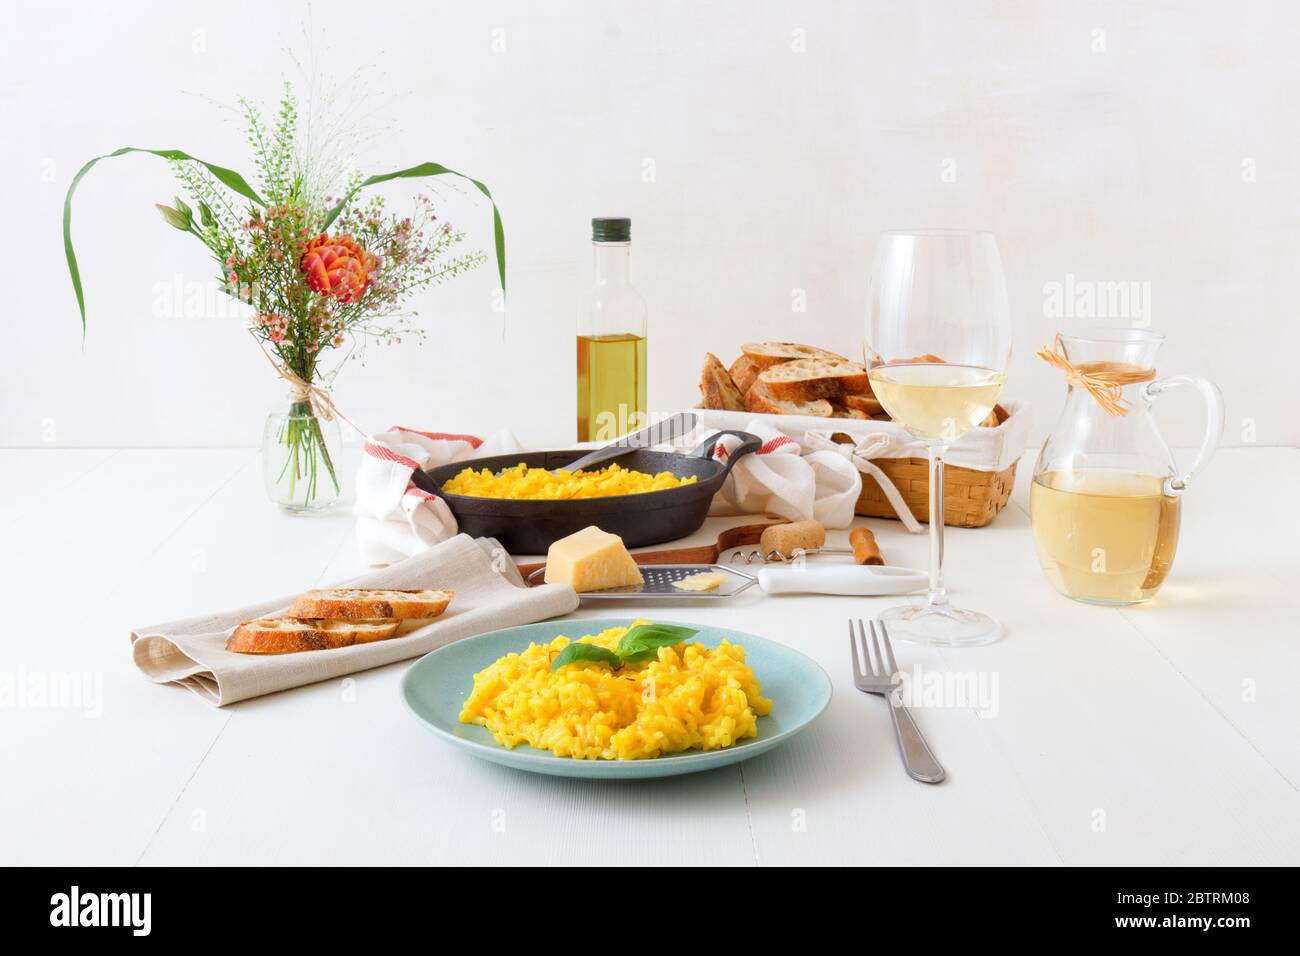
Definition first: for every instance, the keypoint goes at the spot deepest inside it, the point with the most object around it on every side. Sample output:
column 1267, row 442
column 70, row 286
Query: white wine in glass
column 937, row 402
column 938, row 342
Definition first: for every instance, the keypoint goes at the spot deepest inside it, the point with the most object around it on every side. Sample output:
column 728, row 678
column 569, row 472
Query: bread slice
column 805, row 380
column 996, row 416
column 868, row 404
column 717, row 390
column 840, row 411
column 928, row 358
column 766, row 354
column 760, row 399
column 369, row 604
column 288, row 635
column 743, row 371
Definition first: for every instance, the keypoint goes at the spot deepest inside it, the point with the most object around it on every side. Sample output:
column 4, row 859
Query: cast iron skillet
column 529, row 527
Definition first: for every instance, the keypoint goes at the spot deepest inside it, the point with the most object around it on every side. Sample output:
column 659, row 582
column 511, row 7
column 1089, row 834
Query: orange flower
column 337, row 267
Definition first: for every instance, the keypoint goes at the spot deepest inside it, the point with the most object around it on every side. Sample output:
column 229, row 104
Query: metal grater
column 658, row 584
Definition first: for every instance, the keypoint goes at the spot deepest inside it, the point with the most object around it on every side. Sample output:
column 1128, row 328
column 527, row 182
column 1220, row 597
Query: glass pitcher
column 1106, row 495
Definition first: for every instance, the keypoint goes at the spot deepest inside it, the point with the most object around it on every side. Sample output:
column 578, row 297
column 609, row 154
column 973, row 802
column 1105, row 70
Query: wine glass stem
column 938, row 596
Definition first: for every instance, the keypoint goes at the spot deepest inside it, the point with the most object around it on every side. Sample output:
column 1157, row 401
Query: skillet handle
column 748, row 444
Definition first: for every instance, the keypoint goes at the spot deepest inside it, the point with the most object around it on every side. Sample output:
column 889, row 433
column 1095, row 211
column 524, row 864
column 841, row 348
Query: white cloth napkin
column 490, row 593
column 394, row 518
column 787, row 479
column 981, row 449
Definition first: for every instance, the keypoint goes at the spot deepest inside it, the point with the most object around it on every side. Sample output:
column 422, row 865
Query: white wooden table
column 1163, row 734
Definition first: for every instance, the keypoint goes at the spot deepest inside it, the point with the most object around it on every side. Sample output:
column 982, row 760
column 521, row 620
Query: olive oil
column 611, row 386
column 611, row 341
column 1105, row 537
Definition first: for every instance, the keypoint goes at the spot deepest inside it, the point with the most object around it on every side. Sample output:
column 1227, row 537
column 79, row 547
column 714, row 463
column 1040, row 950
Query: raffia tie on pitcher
column 1104, row 381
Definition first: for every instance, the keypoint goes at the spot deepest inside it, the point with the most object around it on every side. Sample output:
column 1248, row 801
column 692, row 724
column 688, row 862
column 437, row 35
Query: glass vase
column 298, row 463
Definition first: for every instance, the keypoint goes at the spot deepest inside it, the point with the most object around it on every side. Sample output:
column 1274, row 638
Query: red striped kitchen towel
column 394, row 518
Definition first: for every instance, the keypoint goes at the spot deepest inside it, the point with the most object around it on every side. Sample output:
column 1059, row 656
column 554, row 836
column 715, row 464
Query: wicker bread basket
column 972, row 496
column 971, row 499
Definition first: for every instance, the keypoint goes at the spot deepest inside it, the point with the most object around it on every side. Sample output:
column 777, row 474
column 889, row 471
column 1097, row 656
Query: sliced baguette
column 996, row 416
column 805, row 380
column 862, row 403
column 766, row 354
column 717, row 390
column 760, row 399
column 927, row 359
column 368, row 604
column 743, row 371
column 288, row 635
column 841, row 411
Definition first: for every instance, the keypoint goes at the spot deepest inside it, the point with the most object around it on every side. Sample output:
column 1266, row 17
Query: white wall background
column 1115, row 141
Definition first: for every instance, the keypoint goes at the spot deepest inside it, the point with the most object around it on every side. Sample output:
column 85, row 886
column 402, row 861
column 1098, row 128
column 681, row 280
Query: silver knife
column 667, row 430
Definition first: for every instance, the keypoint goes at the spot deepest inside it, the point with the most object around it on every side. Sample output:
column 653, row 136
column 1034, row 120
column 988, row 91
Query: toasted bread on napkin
column 288, row 635
column 369, row 604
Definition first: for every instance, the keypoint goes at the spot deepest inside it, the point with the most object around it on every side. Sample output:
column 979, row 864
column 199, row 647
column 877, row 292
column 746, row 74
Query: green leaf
column 174, row 217
column 642, row 642
column 227, row 177
column 576, row 652
column 433, row 169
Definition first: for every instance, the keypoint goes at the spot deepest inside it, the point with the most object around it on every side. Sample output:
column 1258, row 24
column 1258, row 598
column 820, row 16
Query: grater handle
column 853, row 579
column 528, row 570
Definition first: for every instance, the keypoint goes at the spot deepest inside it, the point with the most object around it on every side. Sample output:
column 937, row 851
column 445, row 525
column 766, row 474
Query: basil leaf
column 576, row 652
column 643, row 641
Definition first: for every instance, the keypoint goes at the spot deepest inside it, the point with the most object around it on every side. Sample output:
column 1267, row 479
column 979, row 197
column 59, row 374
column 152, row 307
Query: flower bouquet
column 318, row 268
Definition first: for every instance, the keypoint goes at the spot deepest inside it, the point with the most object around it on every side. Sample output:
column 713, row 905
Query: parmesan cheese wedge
column 591, row 560
column 704, row 581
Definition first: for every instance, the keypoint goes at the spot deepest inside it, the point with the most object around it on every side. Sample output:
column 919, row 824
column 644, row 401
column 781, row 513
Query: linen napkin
column 489, row 594
column 394, row 518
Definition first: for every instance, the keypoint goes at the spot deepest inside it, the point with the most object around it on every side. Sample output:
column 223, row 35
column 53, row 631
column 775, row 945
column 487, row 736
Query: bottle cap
column 611, row 230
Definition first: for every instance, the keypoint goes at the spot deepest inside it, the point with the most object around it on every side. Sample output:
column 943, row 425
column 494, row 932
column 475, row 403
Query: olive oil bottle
column 612, row 341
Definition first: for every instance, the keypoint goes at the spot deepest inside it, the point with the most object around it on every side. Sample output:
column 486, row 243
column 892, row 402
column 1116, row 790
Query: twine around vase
column 316, row 397
column 1104, row 381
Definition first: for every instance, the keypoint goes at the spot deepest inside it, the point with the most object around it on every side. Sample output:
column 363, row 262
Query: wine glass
column 937, row 347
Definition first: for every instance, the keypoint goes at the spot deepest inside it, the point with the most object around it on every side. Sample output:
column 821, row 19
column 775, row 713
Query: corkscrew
column 778, row 557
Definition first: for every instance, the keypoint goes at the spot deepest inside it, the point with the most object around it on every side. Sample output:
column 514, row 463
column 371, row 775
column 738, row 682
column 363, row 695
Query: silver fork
column 880, row 676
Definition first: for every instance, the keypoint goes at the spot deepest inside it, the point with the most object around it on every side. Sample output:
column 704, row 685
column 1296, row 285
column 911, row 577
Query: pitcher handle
column 1213, row 399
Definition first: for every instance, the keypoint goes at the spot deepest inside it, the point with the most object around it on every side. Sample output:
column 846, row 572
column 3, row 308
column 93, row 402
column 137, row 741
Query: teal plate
column 435, row 688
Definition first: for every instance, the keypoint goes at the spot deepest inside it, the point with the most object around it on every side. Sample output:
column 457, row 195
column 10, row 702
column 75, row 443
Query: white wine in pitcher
column 939, row 402
column 1107, row 495
column 1106, row 537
